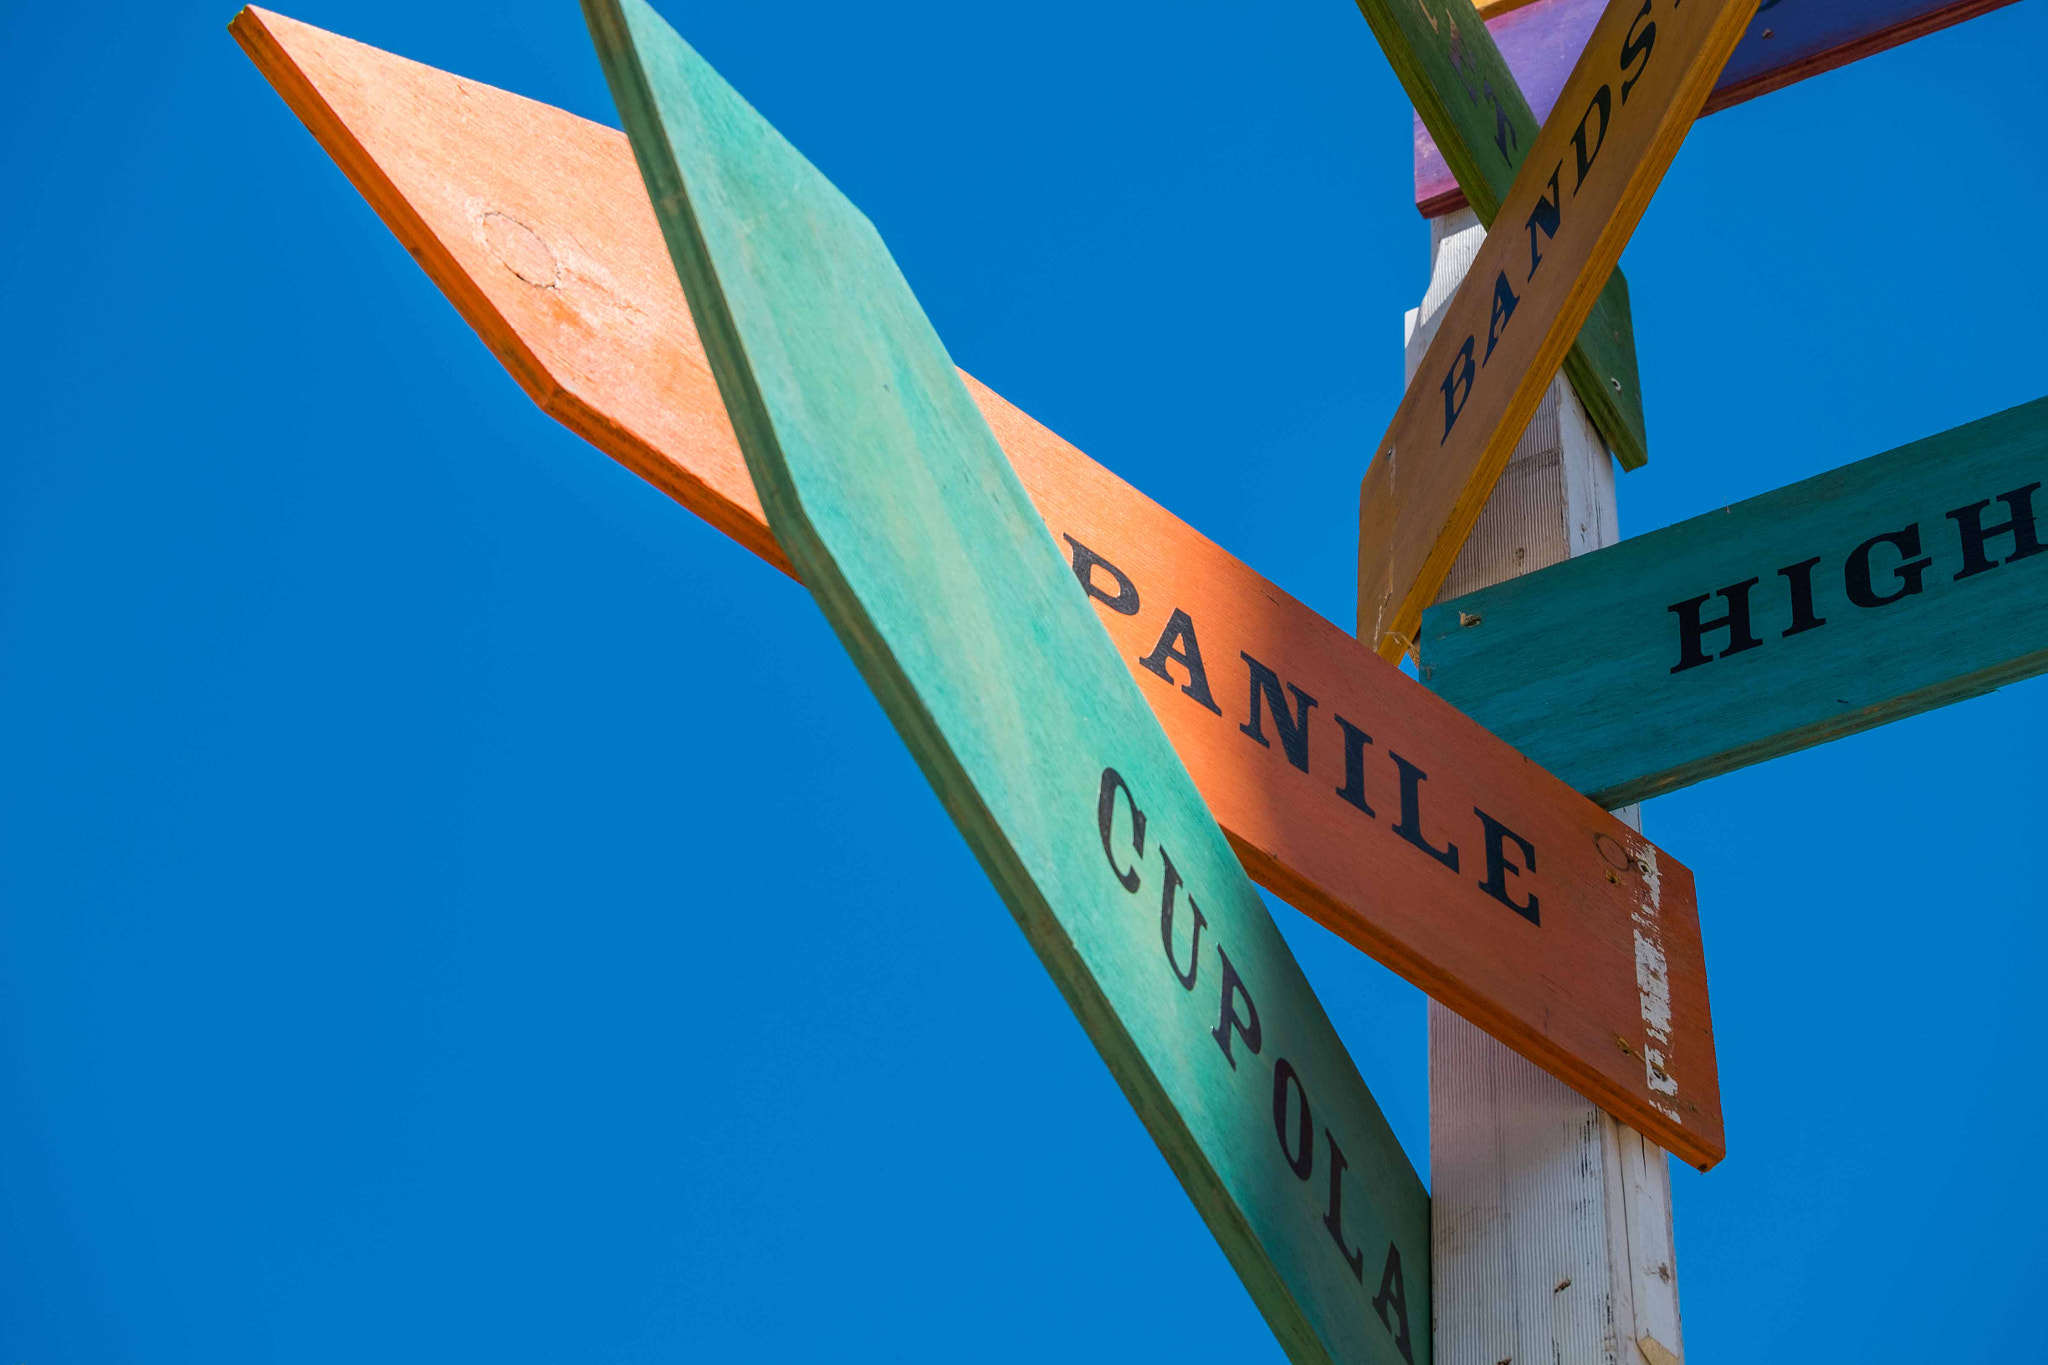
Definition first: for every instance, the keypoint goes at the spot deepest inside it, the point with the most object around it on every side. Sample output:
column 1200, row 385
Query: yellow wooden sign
column 1637, row 88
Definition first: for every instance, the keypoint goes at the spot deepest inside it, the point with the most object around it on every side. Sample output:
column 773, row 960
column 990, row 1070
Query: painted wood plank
column 1788, row 41
column 1589, row 176
column 1857, row 597
column 894, row 502
column 1462, row 89
column 535, row 225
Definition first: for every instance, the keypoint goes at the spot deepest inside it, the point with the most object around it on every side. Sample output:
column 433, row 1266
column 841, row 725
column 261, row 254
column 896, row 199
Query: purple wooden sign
column 1788, row 41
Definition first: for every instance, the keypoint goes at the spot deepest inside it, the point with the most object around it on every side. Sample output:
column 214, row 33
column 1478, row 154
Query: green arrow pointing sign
column 899, row 510
column 1887, row 587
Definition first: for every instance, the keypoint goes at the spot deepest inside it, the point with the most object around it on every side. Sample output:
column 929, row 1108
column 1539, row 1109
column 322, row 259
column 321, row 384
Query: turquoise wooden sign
column 1887, row 587
column 897, row 507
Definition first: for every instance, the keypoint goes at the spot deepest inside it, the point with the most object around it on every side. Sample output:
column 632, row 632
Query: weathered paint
column 1788, row 41
column 894, row 502
column 1644, row 714
column 535, row 225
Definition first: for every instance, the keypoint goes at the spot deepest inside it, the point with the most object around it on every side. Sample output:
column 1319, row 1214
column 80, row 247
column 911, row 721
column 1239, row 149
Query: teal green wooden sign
column 1467, row 98
column 897, row 507
column 1890, row 586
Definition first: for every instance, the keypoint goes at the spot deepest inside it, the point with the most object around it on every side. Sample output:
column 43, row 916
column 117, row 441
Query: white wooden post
column 1551, row 1236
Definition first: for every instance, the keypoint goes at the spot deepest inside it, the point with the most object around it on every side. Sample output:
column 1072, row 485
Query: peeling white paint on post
column 1551, row 1221
column 1653, row 981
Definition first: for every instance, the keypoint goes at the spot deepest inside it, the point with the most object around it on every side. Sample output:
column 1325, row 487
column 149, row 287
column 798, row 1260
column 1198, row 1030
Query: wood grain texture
column 1463, row 91
column 1589, row 176
column 889, row 493
column 1788, row 41
column 1630, row 727
column 535, row 224
column 1551, row 1220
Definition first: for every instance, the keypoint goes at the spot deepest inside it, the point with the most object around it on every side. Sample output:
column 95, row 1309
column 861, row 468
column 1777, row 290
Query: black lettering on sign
column 1604, row 103
column 1504, row 302
column 1277, row 708
column 1237, row 1018
column 1503, row 131
column 1355, row 741
column 1410, row 827
column 1292, row 724
column 2020, row 526
column 1547, row 215
column 1186, row 978
column 1856, row 574
column 1394, row 1295
column 1692, row 630
column 1499, row 869
column 1228, row 1020
column 1799, row 577
column 1105, row 816
column 1334, row 1218
column 1177, row 642
column 1086, row 562
column 1301, row 1157
column 1637, row 45
column 1454, row 401
column 1461, row 58
column 1863, row 576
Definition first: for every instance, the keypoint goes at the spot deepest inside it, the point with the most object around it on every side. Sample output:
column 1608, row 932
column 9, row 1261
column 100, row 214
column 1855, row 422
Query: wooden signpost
column 1890, row 586
column 1464, row 92
column 1115, row 712
column 1344, row 787
column 1787, row 41
column 890, row 495
column 1552, row 1219
column 1630, row 100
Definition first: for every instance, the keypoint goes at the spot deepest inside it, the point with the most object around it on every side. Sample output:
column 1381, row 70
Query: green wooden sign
column 1887, row 587
column 1467, row 98
column 897, row 507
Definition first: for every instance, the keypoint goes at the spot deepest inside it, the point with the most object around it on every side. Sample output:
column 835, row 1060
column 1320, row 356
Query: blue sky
column 454, row 904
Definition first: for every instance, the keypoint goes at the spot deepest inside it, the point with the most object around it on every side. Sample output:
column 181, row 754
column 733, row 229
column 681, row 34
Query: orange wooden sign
column 1344, row 786
column 1628, row 104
